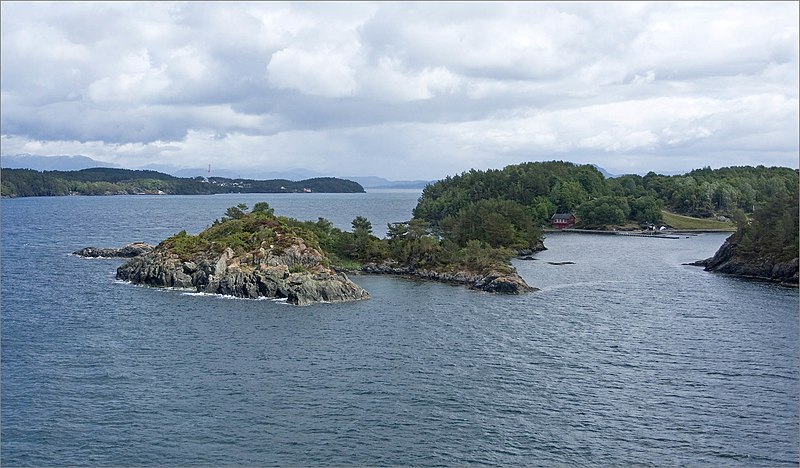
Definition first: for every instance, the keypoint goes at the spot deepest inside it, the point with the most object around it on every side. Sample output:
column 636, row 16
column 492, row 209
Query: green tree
column 262, row 208
column 603, row 211
column 646, row 209
column 235, row 212
column 567, row 195
column 496, row 222
column 362, row 237
column 362, row 226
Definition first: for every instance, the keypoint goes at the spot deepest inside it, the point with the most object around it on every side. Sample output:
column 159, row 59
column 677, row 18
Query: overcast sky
column 403, row 90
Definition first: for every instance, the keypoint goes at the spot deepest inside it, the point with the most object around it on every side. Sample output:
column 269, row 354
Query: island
column 112, row 181
column 254, row 253
column 248, row 255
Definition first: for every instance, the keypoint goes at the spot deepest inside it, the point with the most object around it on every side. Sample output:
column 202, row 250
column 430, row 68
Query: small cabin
column 562, row 220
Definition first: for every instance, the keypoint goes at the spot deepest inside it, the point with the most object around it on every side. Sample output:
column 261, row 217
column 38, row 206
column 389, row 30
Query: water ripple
column 617, row 361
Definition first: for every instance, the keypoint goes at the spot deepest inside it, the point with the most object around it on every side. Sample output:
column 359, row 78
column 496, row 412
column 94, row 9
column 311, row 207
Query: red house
column 561, row 221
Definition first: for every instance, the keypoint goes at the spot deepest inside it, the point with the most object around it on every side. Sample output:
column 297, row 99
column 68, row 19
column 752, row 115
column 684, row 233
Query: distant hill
column 291, row 174
column 78, row 162
column 380, row 182
column 113, row 181
column 51, row 163
column 605, row 173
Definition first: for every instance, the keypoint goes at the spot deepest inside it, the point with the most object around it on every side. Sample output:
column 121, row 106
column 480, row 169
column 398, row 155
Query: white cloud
column 138, row 81
column 325, row 72
column 389, row 80
column 412, row 89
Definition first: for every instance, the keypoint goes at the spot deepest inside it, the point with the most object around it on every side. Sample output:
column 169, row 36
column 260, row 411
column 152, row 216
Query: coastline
column 666, row 234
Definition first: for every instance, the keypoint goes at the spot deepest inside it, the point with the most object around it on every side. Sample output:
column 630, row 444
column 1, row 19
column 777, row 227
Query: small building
column 563, row 220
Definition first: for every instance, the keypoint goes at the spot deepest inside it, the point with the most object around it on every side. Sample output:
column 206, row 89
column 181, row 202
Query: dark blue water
column 626, row 357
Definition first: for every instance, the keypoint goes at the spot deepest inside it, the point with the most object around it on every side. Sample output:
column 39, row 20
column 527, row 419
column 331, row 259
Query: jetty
column 640, row 233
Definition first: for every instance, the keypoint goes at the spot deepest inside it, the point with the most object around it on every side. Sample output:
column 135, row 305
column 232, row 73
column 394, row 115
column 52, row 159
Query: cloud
column 411, row 89
column 325, row 72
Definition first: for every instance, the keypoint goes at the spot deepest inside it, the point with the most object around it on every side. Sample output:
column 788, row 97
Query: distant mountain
column 380, row 182
column 605, row 173
column 51, row 163
column 291, row 174
column 295, row 174
column 78, row 162
column 195, row 171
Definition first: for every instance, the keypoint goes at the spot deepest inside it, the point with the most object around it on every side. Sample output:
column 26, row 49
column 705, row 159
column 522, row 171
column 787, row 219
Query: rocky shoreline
column 490, row 281
column 129, row 251
column 296, row 273
column 726, row 261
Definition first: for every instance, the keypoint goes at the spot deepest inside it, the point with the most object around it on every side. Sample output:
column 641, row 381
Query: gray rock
column 503, row 283
column 247, row 276
column 537, row 248
column 129, row 251
column 492, row 281
column 727, row 261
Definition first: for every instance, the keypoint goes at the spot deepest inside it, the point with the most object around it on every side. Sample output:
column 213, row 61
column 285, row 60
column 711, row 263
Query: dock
column 653, row 234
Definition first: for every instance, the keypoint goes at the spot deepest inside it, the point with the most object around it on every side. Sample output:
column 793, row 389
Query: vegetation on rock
column 258, row 237
column 773, row 231
column 764, row 248
column 246, row 254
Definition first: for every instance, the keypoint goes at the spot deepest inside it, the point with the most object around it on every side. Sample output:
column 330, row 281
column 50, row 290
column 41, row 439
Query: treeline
column 110, row 181
column 524, row 195
column 773, row 233
column 409, row 244
column 707, row 192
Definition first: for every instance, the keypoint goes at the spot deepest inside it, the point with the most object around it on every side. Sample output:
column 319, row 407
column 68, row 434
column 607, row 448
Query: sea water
column 624, row 357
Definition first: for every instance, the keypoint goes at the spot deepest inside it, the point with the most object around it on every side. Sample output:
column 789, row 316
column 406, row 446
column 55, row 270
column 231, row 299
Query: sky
column 402, row 90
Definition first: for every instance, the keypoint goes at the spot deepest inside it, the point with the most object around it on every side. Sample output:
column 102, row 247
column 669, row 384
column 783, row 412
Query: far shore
column 667, row 233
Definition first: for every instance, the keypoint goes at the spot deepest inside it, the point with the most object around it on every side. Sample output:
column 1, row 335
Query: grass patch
column 346, row 264
column 687, row 222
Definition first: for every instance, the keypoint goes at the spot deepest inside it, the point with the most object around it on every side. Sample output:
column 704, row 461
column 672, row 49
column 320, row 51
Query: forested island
column 111, row 181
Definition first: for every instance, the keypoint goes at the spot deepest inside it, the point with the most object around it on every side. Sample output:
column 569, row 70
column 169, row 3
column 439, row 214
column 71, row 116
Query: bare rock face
column 129, row 251
column 296, row 273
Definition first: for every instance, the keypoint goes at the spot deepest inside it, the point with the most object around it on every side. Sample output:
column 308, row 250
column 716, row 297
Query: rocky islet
column 297, row 274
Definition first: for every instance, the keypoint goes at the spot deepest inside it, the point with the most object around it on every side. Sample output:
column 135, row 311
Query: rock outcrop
column 297, row 273
column 727, row 261
column 490, row 281
column 129, row 251
column 536, row 248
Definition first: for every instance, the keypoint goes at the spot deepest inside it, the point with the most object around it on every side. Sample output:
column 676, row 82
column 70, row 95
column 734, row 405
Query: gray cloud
column 406, row 90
